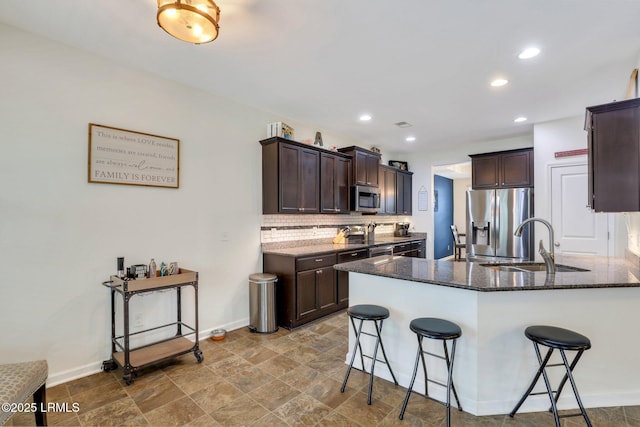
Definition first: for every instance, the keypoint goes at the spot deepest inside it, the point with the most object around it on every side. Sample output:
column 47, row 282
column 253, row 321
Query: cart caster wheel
column 109, row 365
column 199, row 356
column 128, row 378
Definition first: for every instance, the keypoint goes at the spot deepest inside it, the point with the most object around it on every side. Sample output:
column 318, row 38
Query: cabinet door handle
column 319, row 259
column 318, row 271
column 354, row 254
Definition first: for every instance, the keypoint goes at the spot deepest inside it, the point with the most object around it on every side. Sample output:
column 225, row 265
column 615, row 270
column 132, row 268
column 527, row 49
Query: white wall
column 60, row 235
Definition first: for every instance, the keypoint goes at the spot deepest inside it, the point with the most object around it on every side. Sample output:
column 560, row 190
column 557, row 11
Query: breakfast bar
column 493, row 305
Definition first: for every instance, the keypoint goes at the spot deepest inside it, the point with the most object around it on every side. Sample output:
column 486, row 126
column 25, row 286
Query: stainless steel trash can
column 262, row 303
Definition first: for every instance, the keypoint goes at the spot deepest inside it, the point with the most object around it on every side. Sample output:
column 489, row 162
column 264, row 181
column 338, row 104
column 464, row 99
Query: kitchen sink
column 531, row 267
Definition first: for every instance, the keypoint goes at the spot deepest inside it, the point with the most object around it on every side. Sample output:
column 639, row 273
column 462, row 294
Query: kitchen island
column 494, row 361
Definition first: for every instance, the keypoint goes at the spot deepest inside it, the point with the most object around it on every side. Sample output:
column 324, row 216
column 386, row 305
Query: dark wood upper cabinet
column 395, row 191
column 298, row 178
column 505, row 169
column 387, row 183
column 364, row 165
column 290, row 178
column 335, row 173
column 613, row 135
column 404, row 188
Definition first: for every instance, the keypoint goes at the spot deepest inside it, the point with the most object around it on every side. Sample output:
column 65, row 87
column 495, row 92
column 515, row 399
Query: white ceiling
column 426, row 62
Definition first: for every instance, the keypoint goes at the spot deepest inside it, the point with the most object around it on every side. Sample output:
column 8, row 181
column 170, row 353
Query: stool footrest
column 434, row 355
column 436, row 382
column 426, row 396
column 577, row 414
column 366, row 356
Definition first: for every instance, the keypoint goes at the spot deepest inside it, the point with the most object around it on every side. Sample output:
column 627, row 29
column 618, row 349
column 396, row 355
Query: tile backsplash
column 282, row 228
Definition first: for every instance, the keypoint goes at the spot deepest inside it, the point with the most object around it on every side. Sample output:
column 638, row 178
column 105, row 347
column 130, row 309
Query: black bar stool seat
column 368, row 312
column 562, row 340
column 436, row 329
column 559, row 338
column 376, row 314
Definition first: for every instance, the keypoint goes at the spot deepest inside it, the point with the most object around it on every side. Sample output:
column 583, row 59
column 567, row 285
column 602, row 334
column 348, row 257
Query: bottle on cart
column 152, row 268
column 120, row 267
column 163, row 269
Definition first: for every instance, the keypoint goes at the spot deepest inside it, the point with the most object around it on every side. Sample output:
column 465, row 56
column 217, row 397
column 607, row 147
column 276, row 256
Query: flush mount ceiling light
column 529, row 53
column 365, row 117
column 410, row 139
column 499, row 82
column 520, row 119
column 193, row 21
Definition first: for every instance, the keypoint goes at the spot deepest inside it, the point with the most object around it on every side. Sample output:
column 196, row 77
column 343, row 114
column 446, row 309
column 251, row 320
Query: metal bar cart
column 133, row 359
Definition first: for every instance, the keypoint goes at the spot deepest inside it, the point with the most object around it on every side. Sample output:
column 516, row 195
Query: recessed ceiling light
column 410, row 139
column 520, row 119
column 499, row 82
column 365, row 117
column 529, row 53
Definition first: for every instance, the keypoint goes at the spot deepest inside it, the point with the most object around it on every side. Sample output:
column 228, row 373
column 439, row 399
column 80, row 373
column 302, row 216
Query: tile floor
column 289, row 378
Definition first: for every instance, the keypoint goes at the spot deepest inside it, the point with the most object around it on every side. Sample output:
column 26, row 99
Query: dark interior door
column 442, row 217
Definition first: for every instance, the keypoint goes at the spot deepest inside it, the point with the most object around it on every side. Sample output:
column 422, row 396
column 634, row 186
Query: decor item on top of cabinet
column 119, row 156
column 375, row 150
column 280, row 129
column 318, row 139
column 399, row 164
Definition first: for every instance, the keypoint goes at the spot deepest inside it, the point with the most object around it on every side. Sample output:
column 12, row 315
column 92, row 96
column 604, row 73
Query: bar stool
column 560, row 339
column 376, row 314
column 436, row 329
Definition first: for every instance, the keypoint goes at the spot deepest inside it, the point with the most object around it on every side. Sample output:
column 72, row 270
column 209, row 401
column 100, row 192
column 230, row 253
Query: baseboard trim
column 57, row 378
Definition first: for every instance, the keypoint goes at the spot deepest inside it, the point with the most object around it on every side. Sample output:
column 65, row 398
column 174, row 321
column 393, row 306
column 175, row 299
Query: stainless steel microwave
column 365, row 199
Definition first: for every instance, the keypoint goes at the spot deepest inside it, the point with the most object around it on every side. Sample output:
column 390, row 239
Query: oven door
column 380, row 250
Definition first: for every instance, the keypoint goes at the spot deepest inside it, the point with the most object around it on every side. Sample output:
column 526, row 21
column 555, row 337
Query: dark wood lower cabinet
column 309, row 287
column 306, row 288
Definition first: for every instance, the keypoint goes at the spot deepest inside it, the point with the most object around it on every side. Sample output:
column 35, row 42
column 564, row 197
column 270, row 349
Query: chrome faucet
column 548, row 257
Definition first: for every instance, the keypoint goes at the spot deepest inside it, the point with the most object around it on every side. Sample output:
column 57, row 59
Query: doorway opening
column 449, row 205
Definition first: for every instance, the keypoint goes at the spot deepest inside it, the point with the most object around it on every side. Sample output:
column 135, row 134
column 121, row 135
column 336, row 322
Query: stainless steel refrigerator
column 492, row 217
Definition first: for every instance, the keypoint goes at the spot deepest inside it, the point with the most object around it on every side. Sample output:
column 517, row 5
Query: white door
column 578, row 230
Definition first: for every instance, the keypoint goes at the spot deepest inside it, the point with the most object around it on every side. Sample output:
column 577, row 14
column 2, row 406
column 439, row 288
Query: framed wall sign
column 119, row 156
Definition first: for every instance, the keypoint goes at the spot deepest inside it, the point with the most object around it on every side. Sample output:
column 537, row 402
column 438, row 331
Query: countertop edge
column 396, row 268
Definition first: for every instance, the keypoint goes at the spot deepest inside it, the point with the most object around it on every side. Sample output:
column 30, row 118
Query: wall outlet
column 314, row 231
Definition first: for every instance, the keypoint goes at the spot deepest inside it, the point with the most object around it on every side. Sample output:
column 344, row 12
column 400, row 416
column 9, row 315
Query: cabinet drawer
column 313, row 262
column 353, row 255
column 417, row 245
column 403, row 247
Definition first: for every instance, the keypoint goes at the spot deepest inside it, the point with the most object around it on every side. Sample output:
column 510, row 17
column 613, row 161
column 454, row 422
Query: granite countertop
column 603, row 273
column 312, row 249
